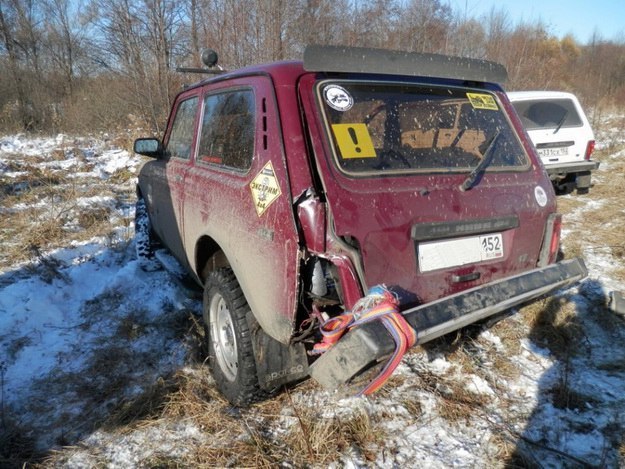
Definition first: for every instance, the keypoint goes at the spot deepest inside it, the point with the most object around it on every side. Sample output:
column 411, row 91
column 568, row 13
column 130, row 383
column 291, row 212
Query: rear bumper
column 568, row 168
column 368, row 344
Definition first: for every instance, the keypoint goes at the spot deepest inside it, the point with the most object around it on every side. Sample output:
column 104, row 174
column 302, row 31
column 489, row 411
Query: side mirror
column 148, row 147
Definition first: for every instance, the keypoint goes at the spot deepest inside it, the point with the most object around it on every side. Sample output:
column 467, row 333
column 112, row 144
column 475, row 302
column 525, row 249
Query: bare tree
column 498, row 29
column 467, row 39
column 65, row 38
column 424, row 25
column 141, row 40
column 20, row 38
column 319, row 22
column 119, row 56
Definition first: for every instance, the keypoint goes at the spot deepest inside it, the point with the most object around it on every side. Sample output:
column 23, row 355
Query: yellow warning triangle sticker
column 265, row 188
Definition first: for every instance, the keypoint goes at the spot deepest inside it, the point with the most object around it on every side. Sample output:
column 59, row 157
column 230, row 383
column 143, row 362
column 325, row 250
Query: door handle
column 465, row 278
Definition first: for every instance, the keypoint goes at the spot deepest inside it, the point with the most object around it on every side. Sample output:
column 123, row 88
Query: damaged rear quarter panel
column 261, row 246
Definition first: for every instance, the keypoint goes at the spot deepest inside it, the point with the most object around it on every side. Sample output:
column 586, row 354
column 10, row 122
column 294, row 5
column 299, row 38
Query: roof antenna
column 209, row 58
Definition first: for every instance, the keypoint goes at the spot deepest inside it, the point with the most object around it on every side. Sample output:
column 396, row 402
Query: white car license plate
column 436, row 255
column 547, row 152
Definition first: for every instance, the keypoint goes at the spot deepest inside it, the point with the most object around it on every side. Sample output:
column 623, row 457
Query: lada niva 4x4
column 564, row 140
column 289, row 190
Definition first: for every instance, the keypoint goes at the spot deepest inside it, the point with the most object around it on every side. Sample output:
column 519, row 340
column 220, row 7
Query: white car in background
column 558, row 127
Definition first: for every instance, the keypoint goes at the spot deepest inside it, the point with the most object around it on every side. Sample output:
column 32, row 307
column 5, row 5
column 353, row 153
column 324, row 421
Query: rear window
column 382, row 127
column 547, row 114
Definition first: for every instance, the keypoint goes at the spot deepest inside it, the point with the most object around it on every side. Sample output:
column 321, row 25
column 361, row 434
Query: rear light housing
column 551, row 240
column 590, row 147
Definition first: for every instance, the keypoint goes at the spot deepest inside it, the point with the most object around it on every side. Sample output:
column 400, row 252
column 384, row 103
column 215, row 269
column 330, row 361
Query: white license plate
column 547, row 152
column 436, row 255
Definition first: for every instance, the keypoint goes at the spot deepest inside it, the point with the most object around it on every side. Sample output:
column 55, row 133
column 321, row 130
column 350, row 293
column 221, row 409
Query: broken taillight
column 551, row 240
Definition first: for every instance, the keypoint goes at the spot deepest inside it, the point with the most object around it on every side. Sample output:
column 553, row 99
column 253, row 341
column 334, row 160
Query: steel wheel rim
column 223, row 337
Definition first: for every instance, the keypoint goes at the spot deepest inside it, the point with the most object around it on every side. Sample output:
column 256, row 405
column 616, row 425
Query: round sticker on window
column 541, row 196
column 338, row 98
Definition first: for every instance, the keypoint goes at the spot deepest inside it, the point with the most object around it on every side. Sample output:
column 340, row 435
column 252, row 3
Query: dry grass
column 45, row 214
column 599, row 230
column 555, row 326
column 510, row 332
column 95, row 219
column 456, row 403
column 236, row 437
column 504, row 447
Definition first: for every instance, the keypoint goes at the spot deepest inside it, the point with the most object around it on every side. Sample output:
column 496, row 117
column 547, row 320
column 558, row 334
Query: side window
column 228, row 129
column 181, row 136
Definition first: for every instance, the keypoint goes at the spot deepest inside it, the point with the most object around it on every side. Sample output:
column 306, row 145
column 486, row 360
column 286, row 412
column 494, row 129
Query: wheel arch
column 209, row 256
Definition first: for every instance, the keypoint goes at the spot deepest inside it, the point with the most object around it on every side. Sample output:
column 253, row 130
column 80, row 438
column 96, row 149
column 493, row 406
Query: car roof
column 281, row 72
column 360, row 60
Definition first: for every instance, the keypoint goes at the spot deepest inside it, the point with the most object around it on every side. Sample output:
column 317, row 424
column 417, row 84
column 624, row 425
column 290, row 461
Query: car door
column 166, row 191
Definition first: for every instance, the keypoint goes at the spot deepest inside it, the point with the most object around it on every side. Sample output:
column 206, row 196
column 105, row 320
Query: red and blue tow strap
column 380, row 304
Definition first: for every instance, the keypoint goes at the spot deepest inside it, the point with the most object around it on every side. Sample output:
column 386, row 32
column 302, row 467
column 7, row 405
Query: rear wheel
column 227, row 319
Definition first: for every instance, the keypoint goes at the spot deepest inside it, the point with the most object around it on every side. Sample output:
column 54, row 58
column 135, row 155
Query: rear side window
column 403, row 128
column 182, row 130
column 547, row 114
column 228, row 124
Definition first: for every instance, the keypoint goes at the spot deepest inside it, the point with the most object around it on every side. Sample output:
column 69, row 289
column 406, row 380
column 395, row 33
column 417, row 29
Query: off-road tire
column 144, row 238
column 228, row 324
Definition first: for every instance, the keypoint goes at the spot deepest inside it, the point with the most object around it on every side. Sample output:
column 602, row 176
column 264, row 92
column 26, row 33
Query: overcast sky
column 581, row 18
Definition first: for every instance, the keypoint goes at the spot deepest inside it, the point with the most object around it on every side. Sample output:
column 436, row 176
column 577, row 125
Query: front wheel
column 230, row 349
column 144, row 239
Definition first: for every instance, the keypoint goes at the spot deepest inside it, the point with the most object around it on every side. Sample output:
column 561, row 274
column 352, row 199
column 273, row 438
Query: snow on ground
column 84, row 328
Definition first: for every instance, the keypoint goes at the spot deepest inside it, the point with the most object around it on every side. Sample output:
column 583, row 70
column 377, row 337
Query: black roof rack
column 388, row 62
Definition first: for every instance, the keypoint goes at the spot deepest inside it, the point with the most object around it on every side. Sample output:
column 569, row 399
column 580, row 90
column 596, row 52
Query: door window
column 182, row 130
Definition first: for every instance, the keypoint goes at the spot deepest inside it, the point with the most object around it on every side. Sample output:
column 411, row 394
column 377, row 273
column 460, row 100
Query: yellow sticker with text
column 353, row 140
column 482, row 101
column 265, row 188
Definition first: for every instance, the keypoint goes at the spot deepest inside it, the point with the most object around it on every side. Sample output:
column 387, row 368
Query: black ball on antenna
column 209, row 57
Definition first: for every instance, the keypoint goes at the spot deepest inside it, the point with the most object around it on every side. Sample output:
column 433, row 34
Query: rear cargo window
column 228, row 124
column 378, row 127
column 547, row 114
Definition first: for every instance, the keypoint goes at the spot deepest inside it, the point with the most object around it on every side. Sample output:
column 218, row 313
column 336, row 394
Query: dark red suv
column 289, row 190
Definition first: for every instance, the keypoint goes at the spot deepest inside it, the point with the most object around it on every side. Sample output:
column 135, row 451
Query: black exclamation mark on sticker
column 352, row 134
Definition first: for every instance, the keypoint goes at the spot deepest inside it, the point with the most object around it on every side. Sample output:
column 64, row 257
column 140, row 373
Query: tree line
column 87, row 65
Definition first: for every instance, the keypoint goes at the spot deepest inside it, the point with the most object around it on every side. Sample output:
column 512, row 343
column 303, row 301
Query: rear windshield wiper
column 561, row 122
column 487, row 158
